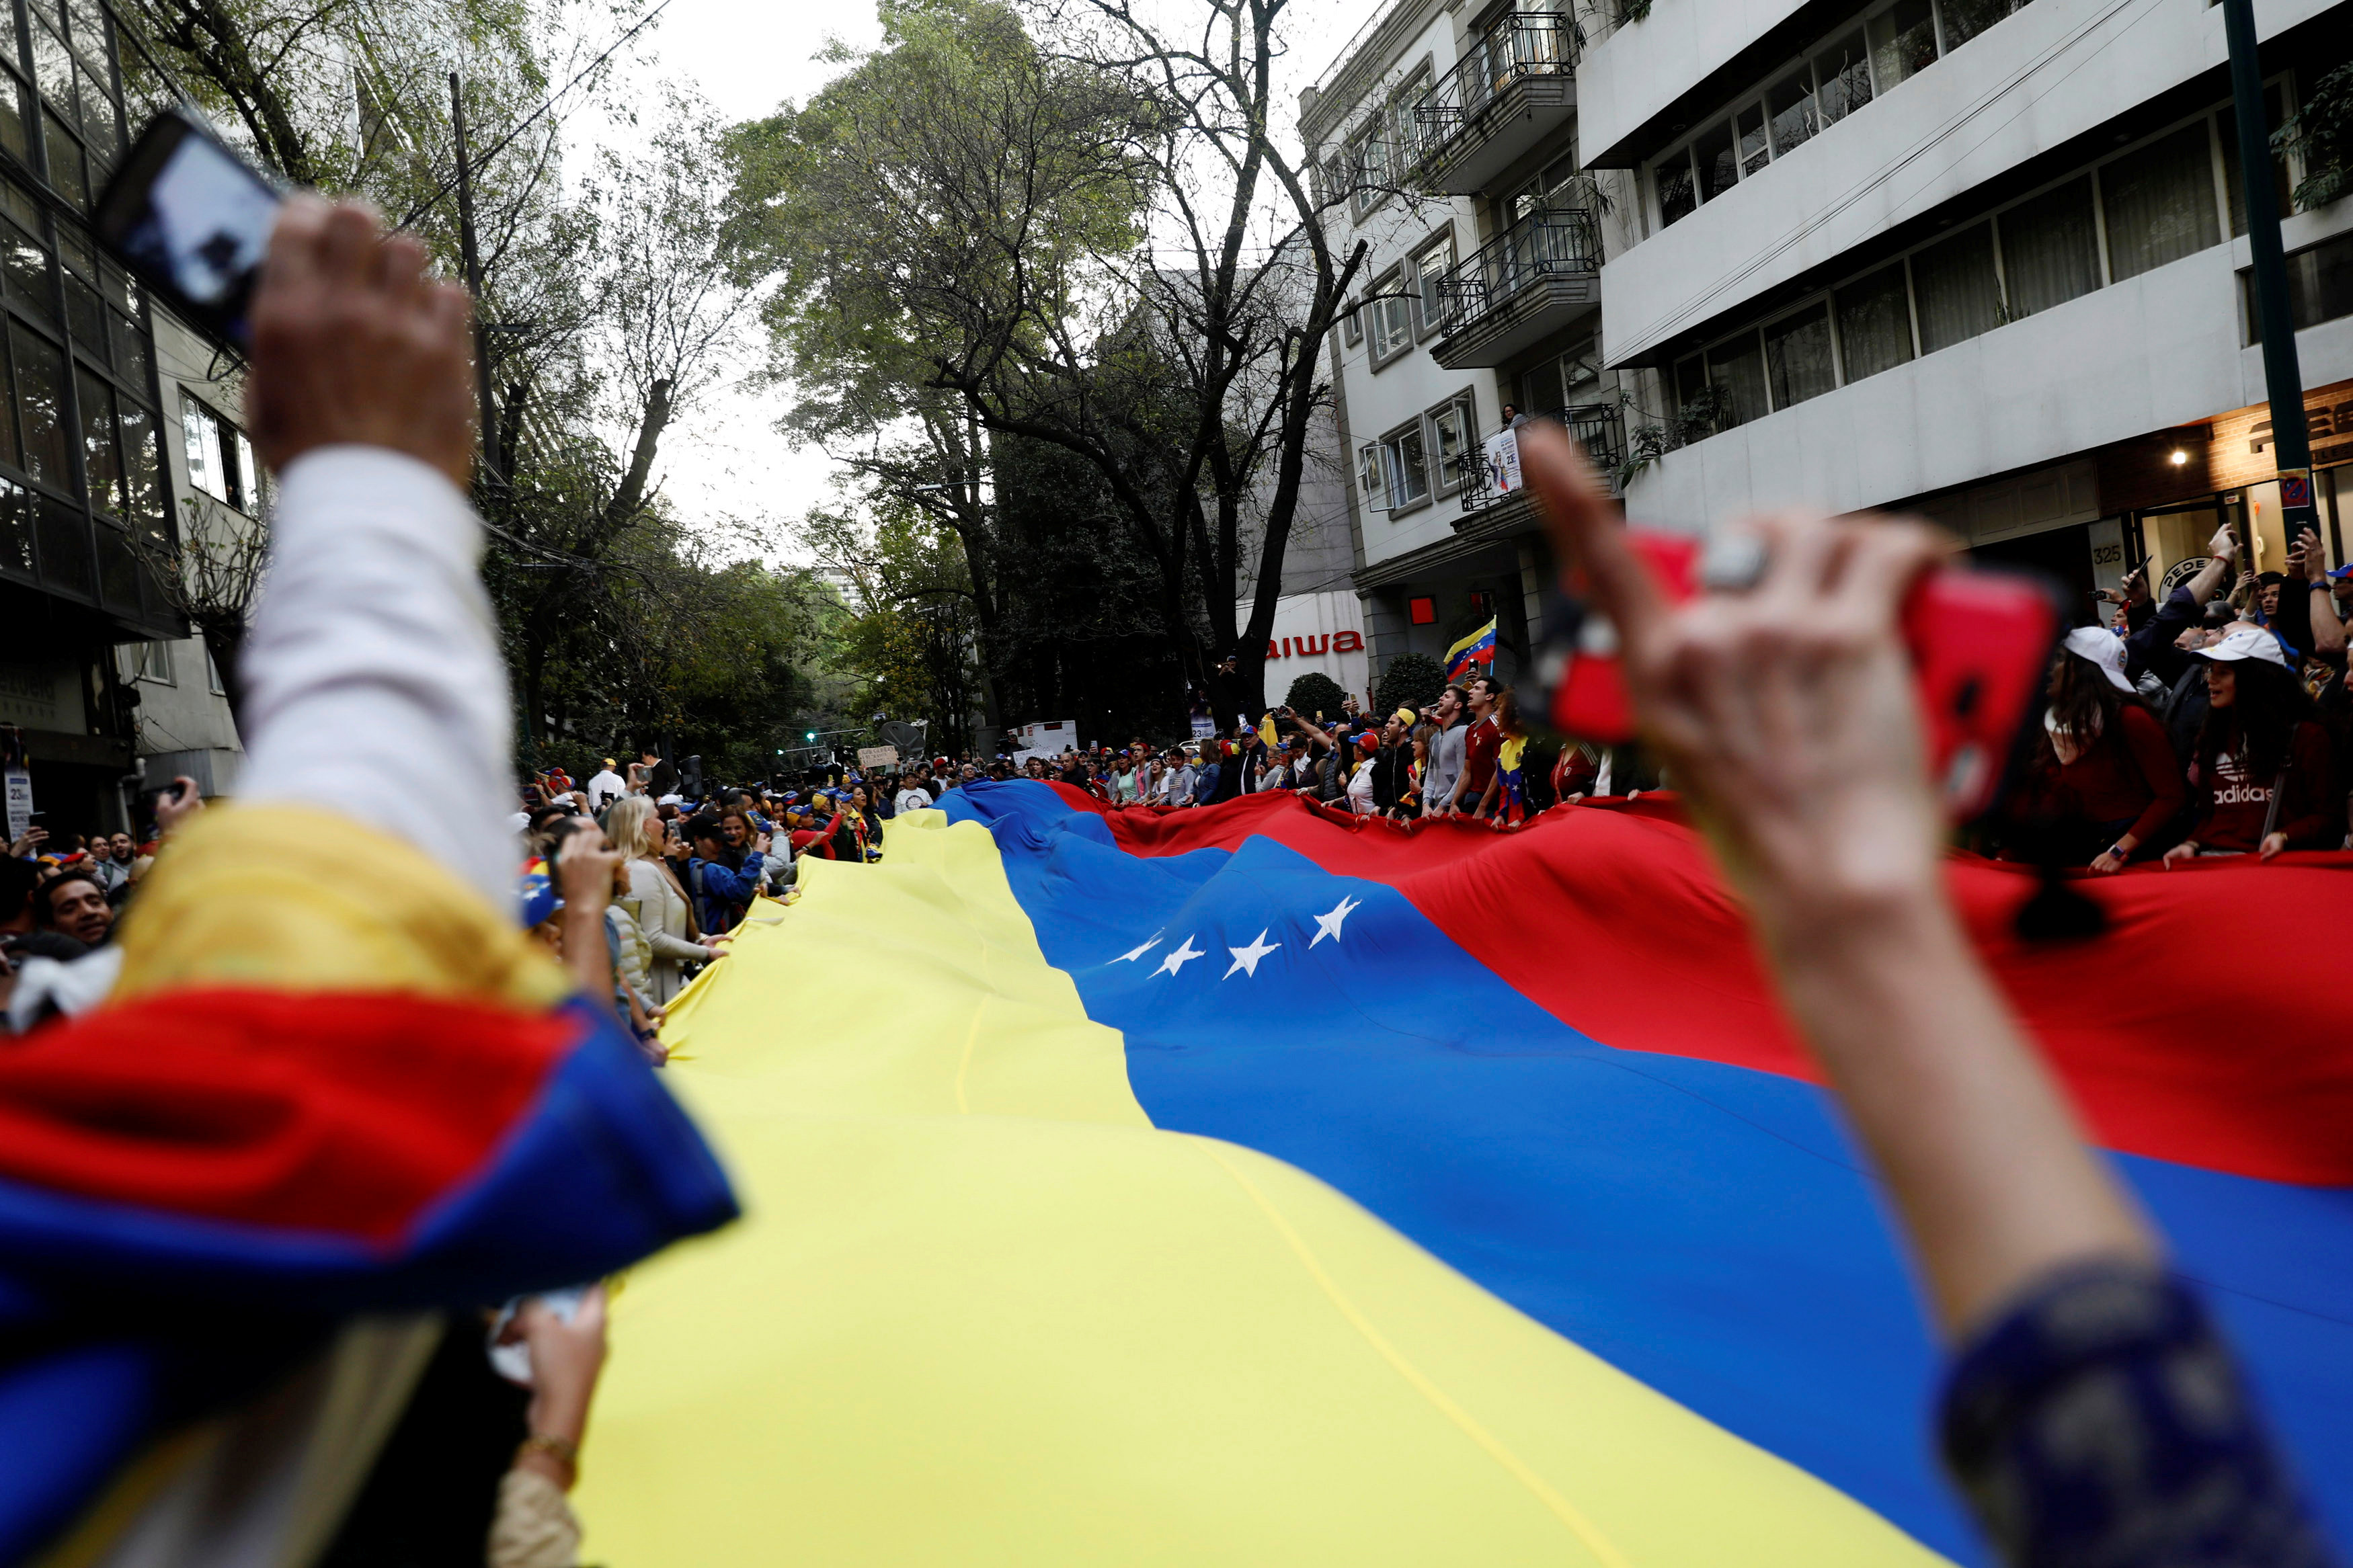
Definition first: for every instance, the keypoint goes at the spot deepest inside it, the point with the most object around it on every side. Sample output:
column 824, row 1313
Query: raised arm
column 2308, row 574
column 373, row 682
column 1787, row 715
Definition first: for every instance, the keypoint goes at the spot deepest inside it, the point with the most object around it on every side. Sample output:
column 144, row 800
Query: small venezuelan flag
column 1477, row 649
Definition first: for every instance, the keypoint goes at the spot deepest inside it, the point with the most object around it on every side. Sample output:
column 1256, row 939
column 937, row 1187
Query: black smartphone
column 191, row 220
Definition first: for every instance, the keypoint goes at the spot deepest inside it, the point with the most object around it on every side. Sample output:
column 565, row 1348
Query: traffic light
column 808, row 734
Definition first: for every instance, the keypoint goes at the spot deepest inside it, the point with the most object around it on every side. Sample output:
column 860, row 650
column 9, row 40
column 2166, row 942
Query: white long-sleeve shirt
column 375, row 686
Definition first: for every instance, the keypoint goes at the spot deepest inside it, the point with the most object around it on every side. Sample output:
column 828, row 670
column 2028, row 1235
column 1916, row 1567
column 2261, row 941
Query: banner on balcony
column 1503, row 462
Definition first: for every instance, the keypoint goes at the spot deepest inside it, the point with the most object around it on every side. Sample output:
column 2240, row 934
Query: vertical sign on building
column 19, row 781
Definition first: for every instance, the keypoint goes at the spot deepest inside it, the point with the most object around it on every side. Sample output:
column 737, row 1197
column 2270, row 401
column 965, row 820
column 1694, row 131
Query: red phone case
column 1981, row 645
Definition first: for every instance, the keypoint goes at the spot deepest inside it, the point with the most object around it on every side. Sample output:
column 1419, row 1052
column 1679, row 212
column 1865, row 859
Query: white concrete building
column 1446, row 138
column 1978, row 258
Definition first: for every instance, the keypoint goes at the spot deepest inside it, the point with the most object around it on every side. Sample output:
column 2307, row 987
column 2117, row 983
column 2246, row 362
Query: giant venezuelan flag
column 1245, row 1186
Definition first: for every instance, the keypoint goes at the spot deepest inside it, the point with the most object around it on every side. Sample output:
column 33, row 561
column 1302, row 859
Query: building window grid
column 1752, row 337
column 1684, row 178
column 122, row 308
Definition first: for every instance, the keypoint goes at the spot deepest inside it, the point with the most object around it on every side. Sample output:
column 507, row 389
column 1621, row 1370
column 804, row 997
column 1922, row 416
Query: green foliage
column 908, row 642
column 2322, row 130
column 1315, row 692
column 1410, row 681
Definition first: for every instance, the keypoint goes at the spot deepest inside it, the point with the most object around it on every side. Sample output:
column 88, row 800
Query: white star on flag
column 1328, row 924
column 1246, row 958
column 1185, row 954
column 1132, row 955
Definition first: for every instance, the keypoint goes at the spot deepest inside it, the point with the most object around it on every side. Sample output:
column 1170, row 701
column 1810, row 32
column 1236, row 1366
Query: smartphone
column 1981, row 643
column 191, row 220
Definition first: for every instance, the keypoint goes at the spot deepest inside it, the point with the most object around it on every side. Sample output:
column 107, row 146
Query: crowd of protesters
column 1466, row 755
column 2027, row 1247
column 2210, row 724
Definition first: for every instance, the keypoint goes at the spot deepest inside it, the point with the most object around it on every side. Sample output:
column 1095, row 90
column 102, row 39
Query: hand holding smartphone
column 192, row 221
column 1980, row 643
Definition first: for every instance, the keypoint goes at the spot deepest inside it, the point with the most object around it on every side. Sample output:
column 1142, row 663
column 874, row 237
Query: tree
column 1316, row 692
column 604, row 314
column 911, row 640
column 1099, row 247
column 1410, row 681
column 949, row 170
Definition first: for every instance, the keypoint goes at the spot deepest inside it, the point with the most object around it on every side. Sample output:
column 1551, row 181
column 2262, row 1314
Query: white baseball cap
column 2097, row 645
column 2247, row 642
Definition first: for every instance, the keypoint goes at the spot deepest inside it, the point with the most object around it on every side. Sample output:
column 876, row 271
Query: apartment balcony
column 1529, row 281
column 1487, row 511
column 1516, row 84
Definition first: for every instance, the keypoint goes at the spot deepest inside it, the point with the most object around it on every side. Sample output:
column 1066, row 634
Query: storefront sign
column 1321, row 632
column 2240, row 451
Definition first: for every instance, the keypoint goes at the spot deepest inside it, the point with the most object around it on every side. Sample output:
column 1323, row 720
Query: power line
column 545, row 104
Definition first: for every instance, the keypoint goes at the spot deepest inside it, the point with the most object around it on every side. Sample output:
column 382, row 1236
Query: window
column 1838, row 76
column 101, row 447
column 1431, row 269
column 1392, row 318
column 1353, row 327
column 2319, row 286
column 2160, row 202
column 1451, row 425
column 1903, row 42
column 1678, row 195
column 1954, row 286
column 213, row 682
column 1798, row 356
column 1964, row 19
column 1573, row 379
column 40, row 404
column 2156, row 201
column 1368, row 475
column 1754, row 153
column 220, row 461
column 1368, row 168
column 1548, row 188
column 1791, row 110
column 148, row 661
column 2050, row 252
column 2226, row 127
column 1736, row 370
column 1875, row 322
column 1712, row 154
column 1405, row 465
column 1844, row 72
column 1404, row 131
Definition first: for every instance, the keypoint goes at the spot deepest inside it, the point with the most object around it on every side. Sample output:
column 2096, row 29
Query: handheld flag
column 1477, row 650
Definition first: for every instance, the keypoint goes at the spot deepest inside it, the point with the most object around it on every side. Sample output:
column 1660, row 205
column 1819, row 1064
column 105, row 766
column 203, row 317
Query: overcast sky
column 745, row 57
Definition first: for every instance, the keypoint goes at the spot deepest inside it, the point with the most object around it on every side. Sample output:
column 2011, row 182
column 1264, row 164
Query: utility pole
column 2282, row 380
column 474, row 263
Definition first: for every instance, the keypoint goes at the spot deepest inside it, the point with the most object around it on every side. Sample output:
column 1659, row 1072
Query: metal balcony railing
column 1523, row 44
column 1599, row 426
column 1550, row 242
